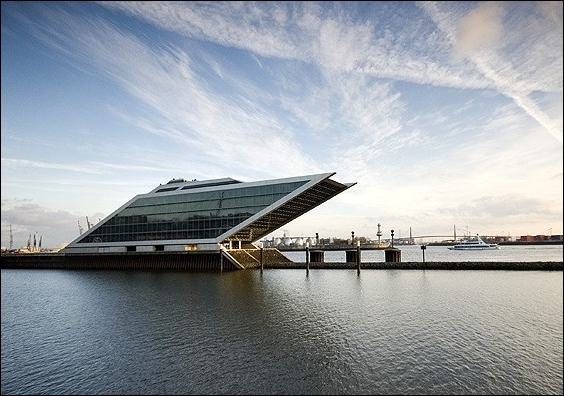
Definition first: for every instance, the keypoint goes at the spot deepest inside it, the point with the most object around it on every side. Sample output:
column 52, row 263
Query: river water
column 282, row 331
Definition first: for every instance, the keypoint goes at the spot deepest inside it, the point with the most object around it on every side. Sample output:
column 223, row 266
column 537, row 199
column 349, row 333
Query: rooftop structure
column 206, row 216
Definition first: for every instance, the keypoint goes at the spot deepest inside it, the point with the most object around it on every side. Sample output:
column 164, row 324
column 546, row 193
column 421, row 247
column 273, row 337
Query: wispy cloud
column 403, row 98
column 480, row 37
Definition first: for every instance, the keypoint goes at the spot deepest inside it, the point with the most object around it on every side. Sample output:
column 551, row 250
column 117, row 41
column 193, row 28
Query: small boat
column 474, row 244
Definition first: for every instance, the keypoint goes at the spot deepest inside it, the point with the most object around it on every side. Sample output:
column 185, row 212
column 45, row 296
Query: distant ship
column 476, row 243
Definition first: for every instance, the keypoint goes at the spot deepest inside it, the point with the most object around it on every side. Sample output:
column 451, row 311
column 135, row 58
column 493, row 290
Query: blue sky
column 445, row 114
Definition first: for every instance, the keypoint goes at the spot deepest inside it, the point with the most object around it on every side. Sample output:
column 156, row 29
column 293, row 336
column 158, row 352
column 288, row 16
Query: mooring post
column 358, row 257
column 261, row 259
column 307, row 258
column 423, row 247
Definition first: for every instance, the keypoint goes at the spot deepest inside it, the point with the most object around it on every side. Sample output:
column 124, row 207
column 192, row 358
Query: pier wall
column 181, row 261
column 189, row 261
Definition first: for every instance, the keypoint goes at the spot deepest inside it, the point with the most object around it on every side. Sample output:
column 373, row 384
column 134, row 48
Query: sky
column 446, row 115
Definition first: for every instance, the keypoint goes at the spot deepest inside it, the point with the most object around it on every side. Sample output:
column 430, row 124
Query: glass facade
column 190, row 214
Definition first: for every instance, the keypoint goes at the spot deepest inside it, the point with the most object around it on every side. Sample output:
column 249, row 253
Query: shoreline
column 179, row 263
column 196, row 261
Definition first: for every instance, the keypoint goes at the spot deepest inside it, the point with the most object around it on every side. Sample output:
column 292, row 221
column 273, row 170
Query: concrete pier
column 119, row 261
column 393, row 255
column 316, row 256
column 210, row 262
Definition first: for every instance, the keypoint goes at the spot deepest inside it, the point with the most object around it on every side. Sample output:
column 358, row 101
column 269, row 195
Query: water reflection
column 282, row 332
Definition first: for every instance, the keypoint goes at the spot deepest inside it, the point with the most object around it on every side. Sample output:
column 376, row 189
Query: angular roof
column 319, row 189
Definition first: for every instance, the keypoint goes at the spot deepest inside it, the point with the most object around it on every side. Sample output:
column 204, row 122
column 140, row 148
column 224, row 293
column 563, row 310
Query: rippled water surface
column 282, row 332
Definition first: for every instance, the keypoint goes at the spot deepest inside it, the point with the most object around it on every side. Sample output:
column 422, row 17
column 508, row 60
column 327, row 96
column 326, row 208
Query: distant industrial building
column 540, row 238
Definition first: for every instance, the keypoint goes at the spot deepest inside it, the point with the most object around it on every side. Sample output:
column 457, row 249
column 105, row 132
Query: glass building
column 211, row 216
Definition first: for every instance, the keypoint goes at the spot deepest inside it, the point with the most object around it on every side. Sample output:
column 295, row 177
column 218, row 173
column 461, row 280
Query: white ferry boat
column 474, row 244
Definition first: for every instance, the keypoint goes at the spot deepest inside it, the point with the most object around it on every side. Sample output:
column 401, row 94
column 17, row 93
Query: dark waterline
column 282, row 332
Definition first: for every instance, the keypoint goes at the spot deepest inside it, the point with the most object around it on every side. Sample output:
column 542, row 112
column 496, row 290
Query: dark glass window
column 188, row 215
